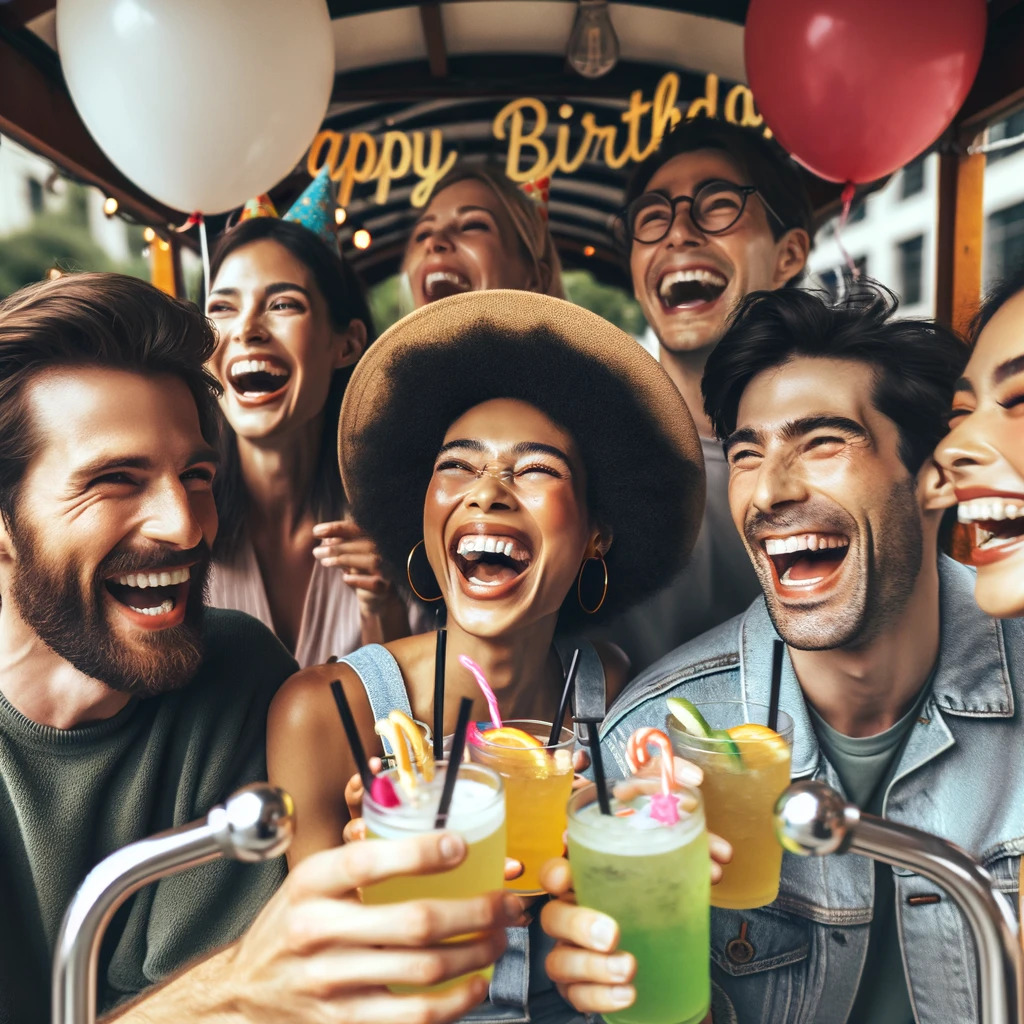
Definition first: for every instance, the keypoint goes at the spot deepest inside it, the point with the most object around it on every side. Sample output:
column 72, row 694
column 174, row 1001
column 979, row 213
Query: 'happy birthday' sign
column 522, row 123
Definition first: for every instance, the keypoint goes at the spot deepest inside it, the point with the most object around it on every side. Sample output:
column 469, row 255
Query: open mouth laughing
column 804, row 561
column 491, row 563
column 258, row 380
column 154, row 599
column 691, row 288
column 439, row 284
column 997, row 525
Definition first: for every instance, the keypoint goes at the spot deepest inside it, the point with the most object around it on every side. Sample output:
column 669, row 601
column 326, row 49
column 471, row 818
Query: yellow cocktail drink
column 746, row 768
column 538, row 782
column 477, row 813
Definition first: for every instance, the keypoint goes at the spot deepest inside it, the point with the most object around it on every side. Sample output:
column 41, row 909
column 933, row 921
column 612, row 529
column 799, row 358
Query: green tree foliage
column 60, row 238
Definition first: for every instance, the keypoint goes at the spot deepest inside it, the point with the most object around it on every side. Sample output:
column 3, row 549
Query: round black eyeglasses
column 714, row 208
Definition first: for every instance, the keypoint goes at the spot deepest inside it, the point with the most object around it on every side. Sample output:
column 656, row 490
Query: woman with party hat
column 481, row 231
column 532, row 469
column 292, row 321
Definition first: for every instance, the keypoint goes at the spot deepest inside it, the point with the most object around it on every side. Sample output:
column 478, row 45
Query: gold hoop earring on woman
column 408, row 576
column 604, row 588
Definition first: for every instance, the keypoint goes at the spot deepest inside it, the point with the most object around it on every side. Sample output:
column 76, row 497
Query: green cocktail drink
column 477, row 813
column 655, row 881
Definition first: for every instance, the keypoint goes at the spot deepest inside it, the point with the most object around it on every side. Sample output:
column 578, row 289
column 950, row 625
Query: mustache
column 808, row 517
column 151, row 559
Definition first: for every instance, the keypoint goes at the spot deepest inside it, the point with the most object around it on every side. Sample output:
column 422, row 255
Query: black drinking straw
column 773, row 699
column 440, row 652
column 353, row 735
column 594, row 742
column 454, row 759
column 570, row 683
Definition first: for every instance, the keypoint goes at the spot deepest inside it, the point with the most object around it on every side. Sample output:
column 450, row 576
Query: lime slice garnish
column 693, row 723
column 728, row 745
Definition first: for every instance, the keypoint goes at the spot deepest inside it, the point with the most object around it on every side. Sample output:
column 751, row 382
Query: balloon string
column 205, row 250
column 847, row 197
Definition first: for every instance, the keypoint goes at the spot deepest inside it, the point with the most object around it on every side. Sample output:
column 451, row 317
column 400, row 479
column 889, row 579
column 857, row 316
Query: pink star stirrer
column 473, row 734
column 664, row 806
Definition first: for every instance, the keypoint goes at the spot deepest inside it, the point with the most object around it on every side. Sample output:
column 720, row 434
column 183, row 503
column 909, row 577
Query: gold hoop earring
column 408, row 576
column 579, row 584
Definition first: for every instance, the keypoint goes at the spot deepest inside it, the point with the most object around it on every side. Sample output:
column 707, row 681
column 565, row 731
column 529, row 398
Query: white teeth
column 476, row 543
column 437, row 277
column 803, row 542
column 142, row 580
column 161, row 609
column 700, row 275
column 989, row 510
column 256, row 366
column 785, row 580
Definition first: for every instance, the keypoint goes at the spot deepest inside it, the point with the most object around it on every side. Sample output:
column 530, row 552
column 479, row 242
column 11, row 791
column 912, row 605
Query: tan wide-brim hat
column 370, row 399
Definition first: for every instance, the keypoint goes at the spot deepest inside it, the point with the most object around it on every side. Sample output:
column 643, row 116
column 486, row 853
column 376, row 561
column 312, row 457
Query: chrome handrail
column 813, row 820
column 254, row 824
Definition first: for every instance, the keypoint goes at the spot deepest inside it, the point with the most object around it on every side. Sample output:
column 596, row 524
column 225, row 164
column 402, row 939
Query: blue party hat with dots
column 314, row 209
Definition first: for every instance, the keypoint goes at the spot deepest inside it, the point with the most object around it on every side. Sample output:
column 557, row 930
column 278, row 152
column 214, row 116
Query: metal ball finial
column 255, row 823
column 813, row 820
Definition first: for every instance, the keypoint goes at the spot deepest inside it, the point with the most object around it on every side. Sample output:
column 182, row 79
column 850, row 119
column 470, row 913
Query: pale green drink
column 655, row 881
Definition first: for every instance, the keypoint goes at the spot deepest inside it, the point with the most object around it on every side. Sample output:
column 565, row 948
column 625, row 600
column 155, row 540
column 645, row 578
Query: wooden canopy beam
column 36, row 112
column 433, row 32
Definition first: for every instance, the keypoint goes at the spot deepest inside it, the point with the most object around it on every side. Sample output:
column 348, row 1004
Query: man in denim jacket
column 903, row 693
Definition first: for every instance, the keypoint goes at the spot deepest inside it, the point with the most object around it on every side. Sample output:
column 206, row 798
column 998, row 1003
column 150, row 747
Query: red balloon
column 855, row 89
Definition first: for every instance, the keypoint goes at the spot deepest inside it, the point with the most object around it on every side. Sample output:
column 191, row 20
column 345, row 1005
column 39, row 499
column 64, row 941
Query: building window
column 911, row 257
column 1008, row 129
column 35, row 195
column 913, row 179
column 1005, row 231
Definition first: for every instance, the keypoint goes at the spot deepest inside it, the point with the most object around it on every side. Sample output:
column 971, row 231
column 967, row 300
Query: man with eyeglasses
column 716, row 212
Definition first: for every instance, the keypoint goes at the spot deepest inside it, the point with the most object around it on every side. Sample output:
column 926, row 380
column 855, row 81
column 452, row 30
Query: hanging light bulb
column 340, row 216
column 593, row 45
column 361, row 239
column 110, row 206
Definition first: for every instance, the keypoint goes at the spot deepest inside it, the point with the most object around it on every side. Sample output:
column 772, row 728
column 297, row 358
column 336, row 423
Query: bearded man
column 127, row 708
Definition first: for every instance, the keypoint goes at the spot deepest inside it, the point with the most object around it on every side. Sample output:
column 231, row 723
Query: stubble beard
column 879, row 590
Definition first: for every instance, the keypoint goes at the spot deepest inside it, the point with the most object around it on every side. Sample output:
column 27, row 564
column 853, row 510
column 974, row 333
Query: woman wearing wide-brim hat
column 530, row 427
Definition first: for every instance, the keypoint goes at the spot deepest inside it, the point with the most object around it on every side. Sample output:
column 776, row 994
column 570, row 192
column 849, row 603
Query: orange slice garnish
column 516, row 740
column 759, row 745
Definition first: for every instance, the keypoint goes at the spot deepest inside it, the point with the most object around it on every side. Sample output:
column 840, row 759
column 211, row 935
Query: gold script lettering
column 518, row 139
column 429, row 172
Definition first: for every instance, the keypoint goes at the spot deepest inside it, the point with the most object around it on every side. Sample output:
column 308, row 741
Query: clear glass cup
column 655, row 883
column 538, row 781
column 743, row 777
column 477, row 813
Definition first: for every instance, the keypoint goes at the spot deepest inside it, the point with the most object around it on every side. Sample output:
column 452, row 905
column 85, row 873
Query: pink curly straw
column 664, row 807
column 485, row 688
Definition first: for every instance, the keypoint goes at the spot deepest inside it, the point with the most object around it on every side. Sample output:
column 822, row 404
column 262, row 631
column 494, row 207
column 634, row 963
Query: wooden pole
column 959, row 235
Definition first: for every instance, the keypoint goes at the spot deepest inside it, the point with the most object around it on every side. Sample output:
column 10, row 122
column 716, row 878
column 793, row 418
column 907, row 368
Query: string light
column 588, row 250
column 361, row 239
column 110, row 206
column 149, row 234
column 593, row 46
column 340, row 216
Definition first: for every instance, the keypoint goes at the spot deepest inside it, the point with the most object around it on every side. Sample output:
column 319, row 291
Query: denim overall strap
column 382, row 679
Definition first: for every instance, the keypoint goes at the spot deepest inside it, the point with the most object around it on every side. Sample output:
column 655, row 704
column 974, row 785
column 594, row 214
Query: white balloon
column 202, row 103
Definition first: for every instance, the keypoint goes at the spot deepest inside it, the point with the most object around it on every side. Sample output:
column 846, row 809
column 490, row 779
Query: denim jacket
column 960, row 776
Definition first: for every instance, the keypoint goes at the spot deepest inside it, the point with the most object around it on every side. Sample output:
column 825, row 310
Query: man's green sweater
column 70, row 797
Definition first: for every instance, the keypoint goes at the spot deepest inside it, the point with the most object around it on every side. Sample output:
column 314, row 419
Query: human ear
column 790, row 256
column 934, row 489
column 600, row 542
column 350, row 344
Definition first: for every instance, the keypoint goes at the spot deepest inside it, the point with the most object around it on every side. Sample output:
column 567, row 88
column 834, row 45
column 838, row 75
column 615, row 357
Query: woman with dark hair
column 983, row 453
column 480, row 231
column 291, row 320
column 531, row 468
